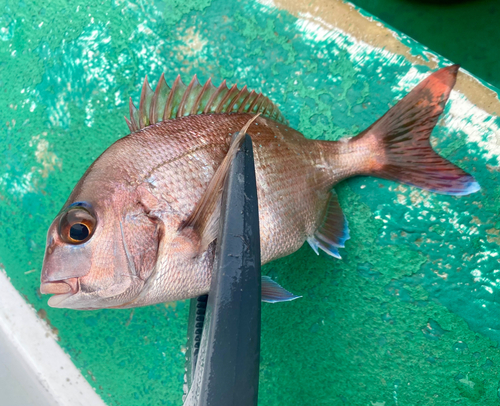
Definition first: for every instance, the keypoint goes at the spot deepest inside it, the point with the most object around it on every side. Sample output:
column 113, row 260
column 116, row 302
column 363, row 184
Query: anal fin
column 333, row 231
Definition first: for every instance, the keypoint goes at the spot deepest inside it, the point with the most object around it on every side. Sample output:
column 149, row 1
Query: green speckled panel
column 463, row 31
column 408, row 317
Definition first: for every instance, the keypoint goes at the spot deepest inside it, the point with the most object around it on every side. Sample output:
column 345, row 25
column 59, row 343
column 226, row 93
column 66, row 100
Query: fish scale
column 150, row 204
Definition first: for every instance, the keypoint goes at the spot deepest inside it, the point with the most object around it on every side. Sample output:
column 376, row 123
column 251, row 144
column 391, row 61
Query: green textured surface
column 464, row 31
column 408, row 317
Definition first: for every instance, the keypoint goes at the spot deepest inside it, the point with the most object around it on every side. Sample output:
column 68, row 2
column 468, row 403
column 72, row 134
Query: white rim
column 53, row 375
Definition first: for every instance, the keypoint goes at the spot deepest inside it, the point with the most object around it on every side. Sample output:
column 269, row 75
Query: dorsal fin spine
column 133, row 115
column 264, row 107
column 260, row 104
column 254, row 102
column 272, row 113
column 186, row 95
column 168, row 104
column 154, row 102
column 192, row 97
column 244, row 102
column 196, row 104
column 206, row 98
column 157, row 101
column 231, row 98
column 269, row 109
column 129, row 124
column 240, row 94
column 144, row 103
column 225, row 98
column 213, row 98
column 176, row 101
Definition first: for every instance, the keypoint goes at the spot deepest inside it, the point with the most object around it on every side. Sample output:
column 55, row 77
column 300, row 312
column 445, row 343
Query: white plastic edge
column 37, row 346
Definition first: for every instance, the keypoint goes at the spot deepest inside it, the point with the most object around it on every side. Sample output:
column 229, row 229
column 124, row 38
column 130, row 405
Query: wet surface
column 412, row 305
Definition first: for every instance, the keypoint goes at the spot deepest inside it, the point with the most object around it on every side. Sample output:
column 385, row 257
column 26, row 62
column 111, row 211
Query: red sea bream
column 140, row 226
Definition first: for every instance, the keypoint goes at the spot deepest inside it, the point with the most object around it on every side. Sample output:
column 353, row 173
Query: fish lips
column 74, row 293
column 115, row 296
column 58, row 300
column 57, row 277
column 60, row 289
column 76, row 288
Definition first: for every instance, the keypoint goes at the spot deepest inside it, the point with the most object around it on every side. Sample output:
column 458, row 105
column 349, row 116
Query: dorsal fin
column 168, row 103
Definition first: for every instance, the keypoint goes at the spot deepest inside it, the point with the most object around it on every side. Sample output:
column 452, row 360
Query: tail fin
column 398, row 143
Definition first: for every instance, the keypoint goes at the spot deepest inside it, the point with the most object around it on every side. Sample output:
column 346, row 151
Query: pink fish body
column 140, row 227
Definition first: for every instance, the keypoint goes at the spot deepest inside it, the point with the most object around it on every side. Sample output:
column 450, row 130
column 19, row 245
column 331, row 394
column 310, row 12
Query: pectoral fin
column 272, row 292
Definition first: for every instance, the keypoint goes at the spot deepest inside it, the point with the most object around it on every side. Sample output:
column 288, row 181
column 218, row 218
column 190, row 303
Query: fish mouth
column 57, row 300
column 60, row 289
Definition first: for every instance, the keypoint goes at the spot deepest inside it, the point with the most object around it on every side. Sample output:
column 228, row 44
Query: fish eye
column 77, row 224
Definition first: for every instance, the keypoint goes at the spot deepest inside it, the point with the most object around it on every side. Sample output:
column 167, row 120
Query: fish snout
column 63, row 262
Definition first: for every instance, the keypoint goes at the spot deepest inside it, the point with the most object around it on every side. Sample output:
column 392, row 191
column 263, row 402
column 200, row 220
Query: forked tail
column 397, row 146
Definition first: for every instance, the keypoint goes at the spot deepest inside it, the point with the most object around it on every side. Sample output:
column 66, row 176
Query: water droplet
column 461, row 347
column 433, row 331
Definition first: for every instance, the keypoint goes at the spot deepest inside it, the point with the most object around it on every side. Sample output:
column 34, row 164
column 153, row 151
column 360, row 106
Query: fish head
column 100, row 249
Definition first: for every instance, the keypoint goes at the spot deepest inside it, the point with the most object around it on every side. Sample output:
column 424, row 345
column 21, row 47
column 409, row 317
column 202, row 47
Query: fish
column 140, row 227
